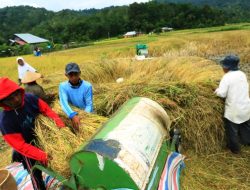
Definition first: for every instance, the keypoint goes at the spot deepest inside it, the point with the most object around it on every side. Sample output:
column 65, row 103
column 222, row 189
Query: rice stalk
column 220, row 170
column 62, row 143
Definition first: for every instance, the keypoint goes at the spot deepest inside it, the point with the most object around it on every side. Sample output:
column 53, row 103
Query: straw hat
column 30, row 77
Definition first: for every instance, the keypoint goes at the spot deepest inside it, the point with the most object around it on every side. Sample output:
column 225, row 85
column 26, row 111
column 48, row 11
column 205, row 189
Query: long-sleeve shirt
column 234, row 87
column 23, row 69
column 17, row 126
column 80, row 96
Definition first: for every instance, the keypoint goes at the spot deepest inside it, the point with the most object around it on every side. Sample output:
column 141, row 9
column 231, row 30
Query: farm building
column 26, row 38
column 130, row 34
column 166, row 29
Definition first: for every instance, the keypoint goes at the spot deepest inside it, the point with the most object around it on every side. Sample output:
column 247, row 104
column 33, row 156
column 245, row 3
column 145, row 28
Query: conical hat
column 30, row 77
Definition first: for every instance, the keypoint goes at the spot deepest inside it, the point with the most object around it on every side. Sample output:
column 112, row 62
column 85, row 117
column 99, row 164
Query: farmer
column 75, row 91
column 23, row 67
column 31, row 86
column 37, row 51
column 17, row 126
column 234, row 88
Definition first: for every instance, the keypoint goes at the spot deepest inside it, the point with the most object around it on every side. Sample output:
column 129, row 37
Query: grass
column 181, row 77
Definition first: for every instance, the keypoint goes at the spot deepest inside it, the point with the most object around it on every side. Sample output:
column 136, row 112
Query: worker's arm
column 89, row 99
column 64, row 102
column 223, row 88
column 46, row 110
column 17, row 142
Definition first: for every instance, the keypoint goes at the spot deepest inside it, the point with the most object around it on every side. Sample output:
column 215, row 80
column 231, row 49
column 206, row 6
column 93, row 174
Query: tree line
column 215, row 3
column 86, row 25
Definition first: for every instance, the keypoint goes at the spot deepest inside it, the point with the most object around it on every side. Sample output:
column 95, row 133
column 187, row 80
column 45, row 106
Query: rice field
column 181, row 76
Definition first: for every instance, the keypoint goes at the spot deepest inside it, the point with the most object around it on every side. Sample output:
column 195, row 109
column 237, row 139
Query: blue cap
column 230, row 62
column 72, row 67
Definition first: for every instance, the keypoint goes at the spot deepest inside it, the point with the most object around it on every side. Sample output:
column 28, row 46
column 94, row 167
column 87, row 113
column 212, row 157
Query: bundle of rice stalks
column 90, row 122
column 62, row 143
column 184, row 86
column 192, row 108
column 185, row 89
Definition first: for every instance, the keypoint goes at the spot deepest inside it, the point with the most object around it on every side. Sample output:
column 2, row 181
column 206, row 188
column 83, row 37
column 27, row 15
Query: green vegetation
column 81, row 28
column 87, row 25
column 220, row 3
column 233, row 10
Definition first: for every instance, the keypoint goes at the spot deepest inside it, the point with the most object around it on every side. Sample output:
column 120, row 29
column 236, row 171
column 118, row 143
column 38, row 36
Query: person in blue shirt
column 76, row 92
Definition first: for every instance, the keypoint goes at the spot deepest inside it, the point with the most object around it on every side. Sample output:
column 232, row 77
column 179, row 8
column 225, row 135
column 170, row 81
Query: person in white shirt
column 22, row 68
column 235, row 89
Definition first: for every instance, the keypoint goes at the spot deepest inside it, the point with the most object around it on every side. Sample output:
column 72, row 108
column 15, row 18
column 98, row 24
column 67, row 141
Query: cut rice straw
column 60, row 144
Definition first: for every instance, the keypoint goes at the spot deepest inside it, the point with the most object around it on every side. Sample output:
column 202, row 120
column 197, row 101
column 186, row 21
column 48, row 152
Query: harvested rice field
column 181, row 75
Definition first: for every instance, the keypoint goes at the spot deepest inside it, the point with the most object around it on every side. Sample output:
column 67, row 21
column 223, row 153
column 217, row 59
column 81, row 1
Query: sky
column 68, row 4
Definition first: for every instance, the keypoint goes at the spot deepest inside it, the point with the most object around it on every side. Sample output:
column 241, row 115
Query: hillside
column 23, row 19
column 244, row 4
column 87, row 25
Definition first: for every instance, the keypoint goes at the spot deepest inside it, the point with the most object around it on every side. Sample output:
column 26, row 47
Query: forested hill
column 244, row 4
column 84, row 25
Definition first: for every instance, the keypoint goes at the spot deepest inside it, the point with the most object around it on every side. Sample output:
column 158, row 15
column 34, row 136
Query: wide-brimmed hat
column 30, row 77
